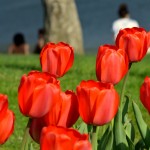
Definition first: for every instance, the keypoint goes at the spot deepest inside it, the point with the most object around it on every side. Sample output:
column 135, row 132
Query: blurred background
column 96, row 18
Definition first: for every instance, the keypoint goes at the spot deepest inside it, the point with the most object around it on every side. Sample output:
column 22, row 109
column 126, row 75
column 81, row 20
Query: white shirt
column 122, row 23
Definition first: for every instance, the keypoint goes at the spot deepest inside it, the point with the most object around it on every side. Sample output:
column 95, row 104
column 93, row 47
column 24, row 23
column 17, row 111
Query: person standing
column 124, row 20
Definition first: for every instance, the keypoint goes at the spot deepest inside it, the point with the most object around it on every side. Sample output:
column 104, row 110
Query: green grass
column 12, row 67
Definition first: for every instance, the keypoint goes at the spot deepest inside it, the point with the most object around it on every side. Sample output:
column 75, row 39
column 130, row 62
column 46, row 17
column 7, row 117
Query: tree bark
column 61, row 23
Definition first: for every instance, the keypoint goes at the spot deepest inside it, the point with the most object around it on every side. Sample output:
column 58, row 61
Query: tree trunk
column 62, row 23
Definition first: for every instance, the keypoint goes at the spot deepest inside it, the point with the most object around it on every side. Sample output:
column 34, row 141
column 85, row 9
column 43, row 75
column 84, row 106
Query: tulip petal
column 107, row 103
column 65, row 112
column 145, row 93
column 36, row 93
column 111, row 64
column 69, row 109
column 98, row 102
column 42, row 99
column 6, row 126
column 3, row 104
column 56, row 59
column 134, row 41
column 57, row 138
column 84, row 104
column 82, row 145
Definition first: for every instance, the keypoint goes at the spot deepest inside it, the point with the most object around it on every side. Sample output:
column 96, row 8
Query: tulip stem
column 124, row 86
column 25, row 137
column 94, row 138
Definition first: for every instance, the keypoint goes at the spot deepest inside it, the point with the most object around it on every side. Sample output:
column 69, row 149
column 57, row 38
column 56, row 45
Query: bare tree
column 62, row 23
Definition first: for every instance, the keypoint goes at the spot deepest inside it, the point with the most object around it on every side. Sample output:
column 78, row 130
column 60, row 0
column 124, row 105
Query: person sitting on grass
column 40, row 42
column 19, row 46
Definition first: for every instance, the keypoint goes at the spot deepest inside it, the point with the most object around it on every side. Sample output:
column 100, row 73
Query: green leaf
column 125, row 109
column 142, row 126
column 140, row 145
column 120, row 136
column 102, row 141
column 130, row 143
column 109, row 144
column 106, row 141
column 130, row 132
column 30, row 147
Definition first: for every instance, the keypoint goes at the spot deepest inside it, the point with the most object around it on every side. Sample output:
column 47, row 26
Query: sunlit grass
column 12, row 67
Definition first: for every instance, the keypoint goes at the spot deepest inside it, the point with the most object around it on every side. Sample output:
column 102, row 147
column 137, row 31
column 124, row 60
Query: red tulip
column 6, row 126
column 64, row 113
column 135, row 41
column 6, row 119
column 36, row 93
column 98, row 102
column 56, row 59
column 148, row 34
column 111, row 64
column 36, row 127
column 145, row 93
column 58, row 138
column 3, row 104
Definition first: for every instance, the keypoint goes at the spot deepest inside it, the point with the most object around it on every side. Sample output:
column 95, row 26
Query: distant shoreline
column 4, row 49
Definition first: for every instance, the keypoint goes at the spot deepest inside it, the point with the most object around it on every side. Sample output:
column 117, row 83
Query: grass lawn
column 12, row 67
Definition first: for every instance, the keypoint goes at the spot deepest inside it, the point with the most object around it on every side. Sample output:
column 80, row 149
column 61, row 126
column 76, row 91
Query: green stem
column 94, row 138
column 25, row 137
column 112, row 123
column 124, row 86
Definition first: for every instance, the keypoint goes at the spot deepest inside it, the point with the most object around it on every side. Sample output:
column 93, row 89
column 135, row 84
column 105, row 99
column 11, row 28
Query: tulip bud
column 64, row 114
column 56, row 59
column 98, row 102
column 36, row 93
column 111, row 64
column 135, row 41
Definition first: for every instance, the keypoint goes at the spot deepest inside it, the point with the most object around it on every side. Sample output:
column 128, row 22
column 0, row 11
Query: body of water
column 96, row 18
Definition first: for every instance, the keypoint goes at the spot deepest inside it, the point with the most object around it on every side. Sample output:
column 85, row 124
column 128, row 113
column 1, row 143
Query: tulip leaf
column 109, row 144
column 140, row 145
column 130, row 143
column 106, row 141
column 30, row 147
column 130, row 132
column 119, row 133
column 103, row 139
column 142, row 126
column 125, row 108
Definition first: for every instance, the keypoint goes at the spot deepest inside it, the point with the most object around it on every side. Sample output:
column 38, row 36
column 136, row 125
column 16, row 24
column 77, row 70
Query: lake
column 96, row 18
